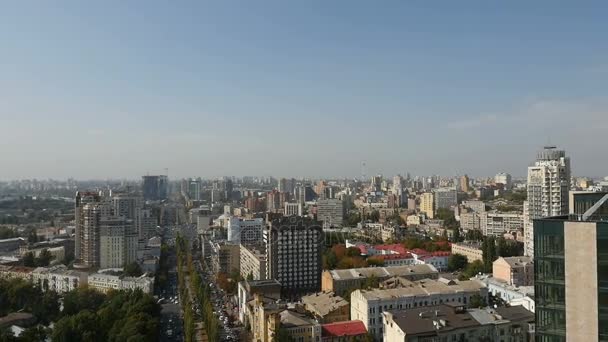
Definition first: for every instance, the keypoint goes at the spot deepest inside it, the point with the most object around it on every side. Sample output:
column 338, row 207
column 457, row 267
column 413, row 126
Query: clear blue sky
column 306, row 88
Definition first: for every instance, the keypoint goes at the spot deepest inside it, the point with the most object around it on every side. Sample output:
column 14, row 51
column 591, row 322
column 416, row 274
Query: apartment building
column 253, row 262
column 516, row 271
column 470, row 249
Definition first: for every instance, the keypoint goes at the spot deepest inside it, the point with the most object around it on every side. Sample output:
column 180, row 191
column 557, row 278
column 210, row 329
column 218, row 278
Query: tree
column 250, row 276
column 371, row 283
column 456, row 234
column 477, row 301
column 132, row 269
column 472, row 269
column 489, row 253
column 448, row 218
column 44, row 258
column 474, row 235
column 353, row 252
column 457, row 262
column 375, row 261
column 29, row 260
column 374, row 216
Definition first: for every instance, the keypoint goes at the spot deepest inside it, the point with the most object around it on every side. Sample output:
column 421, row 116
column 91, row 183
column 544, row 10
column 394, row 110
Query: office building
column 330, row 212
column 464, row 183
column 427, row 204
column 117, row 241
column 294, row 247
column 253, row 262
column 548, row 187
column 368, row 305
column 245, row 231
column 293, row 209
column 496, row 224
column 504, row 179
column 570, row 273
column 155, row 188
column 194, row 189
column 445, row 198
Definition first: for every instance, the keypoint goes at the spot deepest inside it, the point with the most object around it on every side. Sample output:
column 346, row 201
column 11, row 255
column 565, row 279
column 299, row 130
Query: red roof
column 393, row 256
column 394, row 247
column 346, row 328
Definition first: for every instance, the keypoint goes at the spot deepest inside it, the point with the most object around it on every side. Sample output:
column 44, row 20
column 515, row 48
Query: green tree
column 457, row 262
column 477, row 301
column 29, row 260
column 374, row 216
column 489, row 253
column 44, row 259
column 472, row 269
column 132, row 269
column 474, row 235
column 448, row 218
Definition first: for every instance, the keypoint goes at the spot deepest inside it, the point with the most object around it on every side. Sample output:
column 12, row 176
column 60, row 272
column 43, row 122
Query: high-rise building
column 194, row 190
column 92, row 215
column 445, row 198
column 505, row 179
column 117, row 242
column 155, row 188
column 376, row 183
column 245, row 231
column 293, row 209
column 548, row 186
column 330, row 212
column 83, row 235
column 294, row 246
column 571, row 272
column 464, row 183
column 427, row 204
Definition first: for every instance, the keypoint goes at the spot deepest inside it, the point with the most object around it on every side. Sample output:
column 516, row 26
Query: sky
column 119, row 89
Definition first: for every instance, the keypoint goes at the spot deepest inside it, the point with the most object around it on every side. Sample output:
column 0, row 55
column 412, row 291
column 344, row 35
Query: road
column 171, row 314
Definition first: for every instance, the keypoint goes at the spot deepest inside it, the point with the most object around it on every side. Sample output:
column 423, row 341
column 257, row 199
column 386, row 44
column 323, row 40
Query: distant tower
column 363, row 171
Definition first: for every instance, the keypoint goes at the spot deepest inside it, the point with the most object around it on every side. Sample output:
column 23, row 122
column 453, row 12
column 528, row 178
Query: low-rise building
column 106, row 282
column 253, row 262
column 21, row 272
column 342, row 281
column 449, row 322
column 58, row 278
column 11, row 245
column 512, row 295
column 299, row 327
column 347, row 331
column 327, row 307
column 248, row 288
column 516, row 271
column 471, row 249
column 368, row 305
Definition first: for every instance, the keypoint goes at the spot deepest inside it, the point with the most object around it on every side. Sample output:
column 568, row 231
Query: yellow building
column 427, row 204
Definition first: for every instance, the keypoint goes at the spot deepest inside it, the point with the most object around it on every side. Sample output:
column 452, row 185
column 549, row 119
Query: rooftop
column 292, row 319
column 322, row 303
column 381, row 272
column 346, row 328
column 429, row 321
column 425, row 287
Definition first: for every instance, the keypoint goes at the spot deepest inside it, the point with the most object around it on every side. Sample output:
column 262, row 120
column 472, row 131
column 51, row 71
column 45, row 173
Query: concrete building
column 155, row 188
column 341, row 281
column 194, row 189
column 368, row 305
column 470, row 220
column 330, row 212
column 504, row 179
column 225, row 257
column 327, row 307
column 11, row 245
column 346, row 331
column 511, row 295
column 117, row 242
column 270, row 289
column 570, row 258
column 470, row 249
column 427, row 204
column 516, row 271
column 21, row 272
column 299, row 327
column 449, row 322
column 496, row 224
column 246, row 231
column 464, row 183
column 445, row 198
column 548, row 187
column 86, row 239
column 293, row 209
column 105, row 282
column 294, row 246
column 58, row 278
column 253, row 261
column 476, row 206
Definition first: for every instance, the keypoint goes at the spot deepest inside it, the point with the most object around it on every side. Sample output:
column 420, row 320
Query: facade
column 341, row 281
column 515, row 271
column 427, row 204
column 21, row 272
column 464, row 183
column 253, row 261
column 246, row 231
column 470, row 249
column 294, row 246
column 330, row 212
column 476, row 206
column 11, row 245
column 326, row 307
column 497, row 224
column 117, row 242
column 58, row 278
column 225, row 257
column 106, row 282
column 300, row 327
column 86, row 237
column 548, row 187
column 570, row 258
column 368, row 305
column 270, row 289
column 505, row 179
column 293, row 209
column 445, row 198
column 470, row 220
column 155, row 188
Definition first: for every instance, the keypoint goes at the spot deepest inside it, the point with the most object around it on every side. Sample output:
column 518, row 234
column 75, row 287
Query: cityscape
column 283, row 171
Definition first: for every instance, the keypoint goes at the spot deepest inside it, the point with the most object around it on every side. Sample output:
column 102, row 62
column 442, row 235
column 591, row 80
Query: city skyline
column 122, row 89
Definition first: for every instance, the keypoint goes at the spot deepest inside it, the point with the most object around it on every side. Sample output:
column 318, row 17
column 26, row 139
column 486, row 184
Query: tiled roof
column 346, row 328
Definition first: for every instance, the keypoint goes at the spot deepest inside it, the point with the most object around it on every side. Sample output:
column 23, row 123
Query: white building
column 241, row 230
column 368, row 305
column 58, row 278
column 293, row 209
column 497, row 224
column 117, row 242
column 548, row 187
column 503, row 178
column 105, row 282
column 253, row 261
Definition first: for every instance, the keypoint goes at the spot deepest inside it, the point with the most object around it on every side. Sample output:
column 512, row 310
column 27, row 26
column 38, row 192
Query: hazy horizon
column 116, row 90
